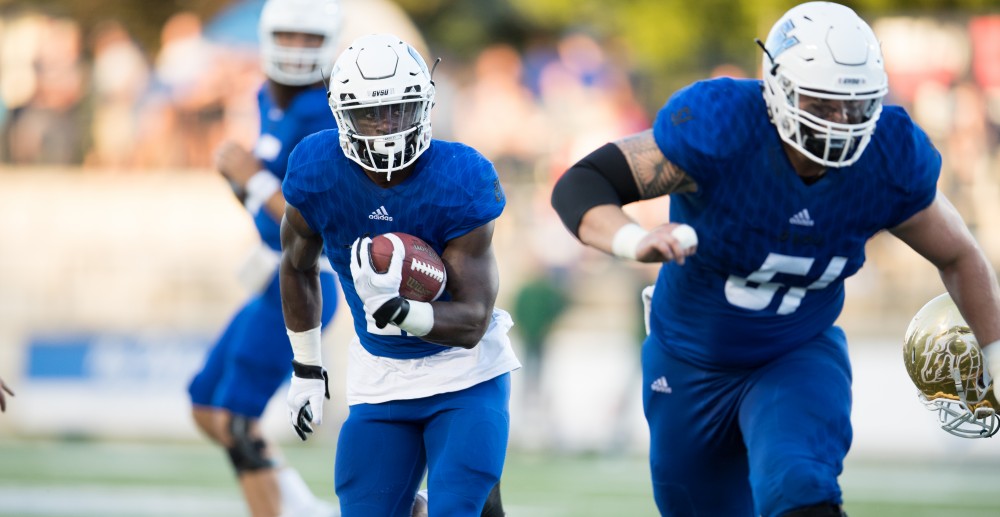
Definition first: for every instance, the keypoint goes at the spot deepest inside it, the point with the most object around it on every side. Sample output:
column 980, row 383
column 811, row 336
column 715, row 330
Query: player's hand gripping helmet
column 297, row 66
column 943, row 359
column 824, row 80
column 381, row 94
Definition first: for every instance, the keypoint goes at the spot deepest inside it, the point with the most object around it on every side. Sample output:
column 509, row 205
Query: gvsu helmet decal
column 780, row 40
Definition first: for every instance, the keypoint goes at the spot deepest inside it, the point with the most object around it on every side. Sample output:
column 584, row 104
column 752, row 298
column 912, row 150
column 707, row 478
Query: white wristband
column 306, row 346
column 625, row 243
column 420, row 320
column 259, row 188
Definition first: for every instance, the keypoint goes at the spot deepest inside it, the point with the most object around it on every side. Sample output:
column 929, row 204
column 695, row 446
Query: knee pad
column 493, row 506
column 819, row 510
column 246, row 452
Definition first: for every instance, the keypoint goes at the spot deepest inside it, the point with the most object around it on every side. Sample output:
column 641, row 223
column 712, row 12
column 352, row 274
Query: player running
column 428, row 384
column 747, row 383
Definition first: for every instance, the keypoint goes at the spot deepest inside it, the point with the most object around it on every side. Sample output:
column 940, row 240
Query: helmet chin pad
column 385, row 153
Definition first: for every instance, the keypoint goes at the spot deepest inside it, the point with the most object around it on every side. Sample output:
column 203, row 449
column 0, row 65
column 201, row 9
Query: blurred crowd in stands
column 97, row 100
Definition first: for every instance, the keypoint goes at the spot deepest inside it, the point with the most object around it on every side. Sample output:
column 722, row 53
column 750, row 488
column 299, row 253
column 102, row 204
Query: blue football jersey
column 280, row 131
column 773, row 252
column 452, row 190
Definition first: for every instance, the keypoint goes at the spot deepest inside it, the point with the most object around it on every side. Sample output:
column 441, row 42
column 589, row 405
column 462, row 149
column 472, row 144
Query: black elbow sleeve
column 601, row 178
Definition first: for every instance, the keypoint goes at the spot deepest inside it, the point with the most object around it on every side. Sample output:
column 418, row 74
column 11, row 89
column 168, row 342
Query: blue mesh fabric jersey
column 452, row 190
column 773, row 252
column 280, row 130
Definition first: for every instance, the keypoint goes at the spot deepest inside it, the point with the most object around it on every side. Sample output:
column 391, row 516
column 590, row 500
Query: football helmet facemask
column 824, row 80
column 945, row 362
column 381, row 94
column 293, row 65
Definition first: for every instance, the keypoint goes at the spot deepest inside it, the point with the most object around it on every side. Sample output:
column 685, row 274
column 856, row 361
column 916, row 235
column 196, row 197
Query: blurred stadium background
column 119, row 244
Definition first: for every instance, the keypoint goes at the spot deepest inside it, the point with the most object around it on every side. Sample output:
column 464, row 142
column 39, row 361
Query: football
column 424, row 276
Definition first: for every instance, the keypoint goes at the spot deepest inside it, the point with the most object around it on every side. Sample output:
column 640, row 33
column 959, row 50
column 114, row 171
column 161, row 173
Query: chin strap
column 389, row 166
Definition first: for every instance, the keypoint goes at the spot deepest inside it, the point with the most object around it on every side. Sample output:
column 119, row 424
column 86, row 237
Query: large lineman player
column 747, row 383
column 428, row 384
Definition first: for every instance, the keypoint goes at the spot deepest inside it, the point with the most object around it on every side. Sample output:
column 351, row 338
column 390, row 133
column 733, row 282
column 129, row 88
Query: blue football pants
column 748, row 442
column 460, row 438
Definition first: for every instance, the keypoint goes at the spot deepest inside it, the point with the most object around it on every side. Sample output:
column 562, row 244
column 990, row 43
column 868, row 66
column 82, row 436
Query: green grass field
column 85, row 478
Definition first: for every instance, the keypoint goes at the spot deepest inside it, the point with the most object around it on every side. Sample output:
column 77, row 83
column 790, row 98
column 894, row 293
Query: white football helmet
column 823, row 55
column 298, row 66
column 946, row 364
column 381, row 94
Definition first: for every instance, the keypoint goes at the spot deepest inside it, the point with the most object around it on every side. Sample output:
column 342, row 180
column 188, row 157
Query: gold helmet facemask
column 945, row 362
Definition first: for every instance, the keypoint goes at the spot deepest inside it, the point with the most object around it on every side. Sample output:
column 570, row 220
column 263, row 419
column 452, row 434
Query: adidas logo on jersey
column 802, row 218
column 661, row 386
column 381, row 214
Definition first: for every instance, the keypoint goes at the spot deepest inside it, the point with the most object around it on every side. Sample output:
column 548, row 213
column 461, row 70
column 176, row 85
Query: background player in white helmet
column 428, row 383
column 251, row 359
column 747, row 381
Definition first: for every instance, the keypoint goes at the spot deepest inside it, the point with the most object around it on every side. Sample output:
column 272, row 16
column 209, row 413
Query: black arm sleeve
column 601, row 178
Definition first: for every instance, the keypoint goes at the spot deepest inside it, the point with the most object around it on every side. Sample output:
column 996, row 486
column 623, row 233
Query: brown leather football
column 424, row 276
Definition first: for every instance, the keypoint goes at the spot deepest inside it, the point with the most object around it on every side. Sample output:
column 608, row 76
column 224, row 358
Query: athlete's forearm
column 600, row 224
column 473, row 282
column 301, row 296
column 301, row 293
column 459, row 324
column 972, row 284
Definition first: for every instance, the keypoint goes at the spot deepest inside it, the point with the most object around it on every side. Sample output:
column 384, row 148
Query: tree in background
column 668, row 43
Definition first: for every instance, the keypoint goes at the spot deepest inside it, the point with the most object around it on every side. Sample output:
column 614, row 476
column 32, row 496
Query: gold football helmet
column 943, row 359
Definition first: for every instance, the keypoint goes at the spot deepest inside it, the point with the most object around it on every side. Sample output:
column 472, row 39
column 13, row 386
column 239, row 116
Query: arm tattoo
column 654, row 174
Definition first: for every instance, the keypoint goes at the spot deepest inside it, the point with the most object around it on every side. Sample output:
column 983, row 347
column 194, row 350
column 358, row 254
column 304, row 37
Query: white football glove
column 375, row 289
column 647, row 304
column 306, row 391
